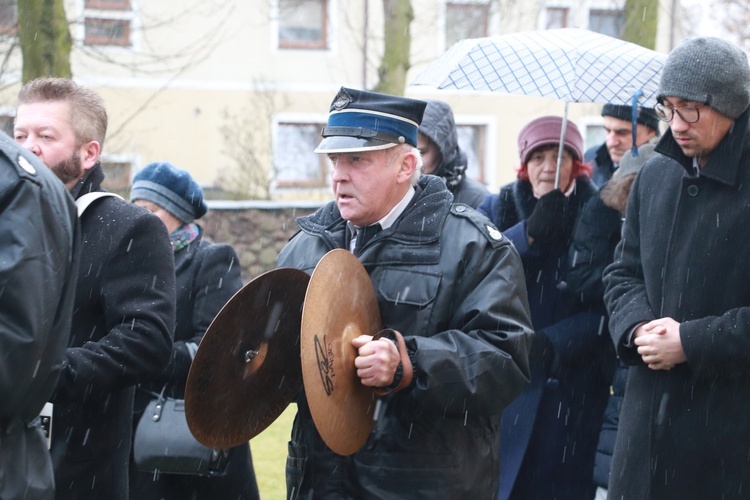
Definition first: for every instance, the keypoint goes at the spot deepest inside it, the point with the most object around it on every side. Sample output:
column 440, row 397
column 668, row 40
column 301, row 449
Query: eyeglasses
column 689, row 114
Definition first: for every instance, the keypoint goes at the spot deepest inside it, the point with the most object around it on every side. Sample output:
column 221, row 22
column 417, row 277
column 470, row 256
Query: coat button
column 553, row 383
column 460, row 208
column 693, row 190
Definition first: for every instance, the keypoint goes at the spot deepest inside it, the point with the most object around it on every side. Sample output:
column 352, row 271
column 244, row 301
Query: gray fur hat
column 630, row 164
column 708, row 70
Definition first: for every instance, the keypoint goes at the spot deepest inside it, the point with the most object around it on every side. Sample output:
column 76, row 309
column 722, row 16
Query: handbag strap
column 159, row 407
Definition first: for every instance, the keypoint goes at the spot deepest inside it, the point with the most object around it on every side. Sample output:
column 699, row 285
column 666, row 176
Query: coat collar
column 91, row 181
column 726, row 162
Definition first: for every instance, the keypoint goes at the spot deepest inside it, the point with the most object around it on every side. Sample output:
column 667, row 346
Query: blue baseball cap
column 366, row 121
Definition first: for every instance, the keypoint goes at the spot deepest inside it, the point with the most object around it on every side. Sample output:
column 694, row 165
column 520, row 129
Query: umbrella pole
column 562, row 145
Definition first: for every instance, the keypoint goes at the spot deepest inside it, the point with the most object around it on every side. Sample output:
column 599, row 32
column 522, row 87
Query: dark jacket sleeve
column 138, row 293
column 217, row 279
column 486, row 207
column 625, row 291
column 38, row 264
column 595, row 236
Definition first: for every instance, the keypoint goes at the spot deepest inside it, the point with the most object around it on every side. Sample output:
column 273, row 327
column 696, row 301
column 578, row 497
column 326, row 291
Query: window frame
column 557, row 9
column 607, row 12
column 292, row 119
column 7, row 119
column 458, row 4
column 482, row 152
column 321, row 44
column 125, row 14
column 107, row 4
column 128, row 159
column 125, row 41
column 12, row 27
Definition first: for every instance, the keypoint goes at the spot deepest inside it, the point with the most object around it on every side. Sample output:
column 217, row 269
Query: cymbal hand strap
column 404, row 372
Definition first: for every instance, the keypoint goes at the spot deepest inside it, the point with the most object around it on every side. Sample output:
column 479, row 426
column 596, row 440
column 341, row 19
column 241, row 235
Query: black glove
column 552, row 220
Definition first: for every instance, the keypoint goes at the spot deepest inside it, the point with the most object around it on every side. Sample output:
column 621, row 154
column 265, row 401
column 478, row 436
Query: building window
column 303, row 24
column 295, row 164
column 6, row 124
column 466, row 20
column 595, row 135
column 107, row 31
column 556, row 17
column 107, row 4
column 472, row 139
column 107, row 22
column 118, row 174
column 8, row 17
column 607, row 22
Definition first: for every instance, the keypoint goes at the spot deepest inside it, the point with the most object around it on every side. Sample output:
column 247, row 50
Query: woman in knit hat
column 207, row 275
column 549, row 433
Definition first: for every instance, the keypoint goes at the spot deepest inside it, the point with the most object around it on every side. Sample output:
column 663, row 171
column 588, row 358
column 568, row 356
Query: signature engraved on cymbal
column 325, row 363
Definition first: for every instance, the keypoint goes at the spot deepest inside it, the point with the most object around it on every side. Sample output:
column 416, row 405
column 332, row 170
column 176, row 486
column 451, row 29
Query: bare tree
column 734, row 17
column 395, row 63
column 247, row 141
column 44, row 38
column 641, row 19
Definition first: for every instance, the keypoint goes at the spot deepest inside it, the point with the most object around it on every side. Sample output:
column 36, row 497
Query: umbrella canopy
column 569, row 64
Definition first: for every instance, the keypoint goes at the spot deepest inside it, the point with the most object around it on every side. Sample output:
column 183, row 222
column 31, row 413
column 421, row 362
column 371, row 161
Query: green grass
column 269, row 455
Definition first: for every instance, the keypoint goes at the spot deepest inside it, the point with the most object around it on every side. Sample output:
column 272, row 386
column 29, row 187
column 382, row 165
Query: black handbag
column 163, row 442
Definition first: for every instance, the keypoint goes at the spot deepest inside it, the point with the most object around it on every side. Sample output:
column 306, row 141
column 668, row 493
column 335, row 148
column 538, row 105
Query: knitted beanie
column 708, row 70
column 646, row 116
column 171, row 188
column 545, row 131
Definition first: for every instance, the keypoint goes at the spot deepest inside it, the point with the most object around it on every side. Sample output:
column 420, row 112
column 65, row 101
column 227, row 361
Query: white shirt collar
column 390, row 217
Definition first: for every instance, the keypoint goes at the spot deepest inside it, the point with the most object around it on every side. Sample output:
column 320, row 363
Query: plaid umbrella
column 569, row 64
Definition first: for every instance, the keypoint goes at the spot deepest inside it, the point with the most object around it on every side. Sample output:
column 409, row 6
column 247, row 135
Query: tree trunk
column 641, row 18
column 395, row 64
column 44, row 38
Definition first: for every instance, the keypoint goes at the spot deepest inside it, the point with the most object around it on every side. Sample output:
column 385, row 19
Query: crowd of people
column 583, row 333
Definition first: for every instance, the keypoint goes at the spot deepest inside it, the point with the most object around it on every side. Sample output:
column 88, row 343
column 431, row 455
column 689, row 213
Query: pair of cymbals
column 280, row 332
column 340, row 305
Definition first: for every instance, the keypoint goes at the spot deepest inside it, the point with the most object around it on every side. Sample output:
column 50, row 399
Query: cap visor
column 345, row 144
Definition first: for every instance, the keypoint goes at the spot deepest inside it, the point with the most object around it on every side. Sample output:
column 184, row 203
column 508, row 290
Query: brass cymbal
column 340, row 305
column 246, row 370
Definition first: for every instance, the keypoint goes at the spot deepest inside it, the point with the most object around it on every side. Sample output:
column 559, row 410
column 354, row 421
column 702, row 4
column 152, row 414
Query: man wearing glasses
column 678, row 292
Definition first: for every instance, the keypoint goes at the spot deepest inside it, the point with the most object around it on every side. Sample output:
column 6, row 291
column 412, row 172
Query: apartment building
column 236, row 91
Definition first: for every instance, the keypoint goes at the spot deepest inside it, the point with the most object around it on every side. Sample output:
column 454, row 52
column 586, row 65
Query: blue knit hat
column 172, row 189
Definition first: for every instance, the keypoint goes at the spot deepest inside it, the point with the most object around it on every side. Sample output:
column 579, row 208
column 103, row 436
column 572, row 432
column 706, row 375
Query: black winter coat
column 549, row 433
column 121, row 335
column 685, row 432
column 453, row 286
column 39, row 251
column 601, row 164
column 592, row 249
column 207, row 276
